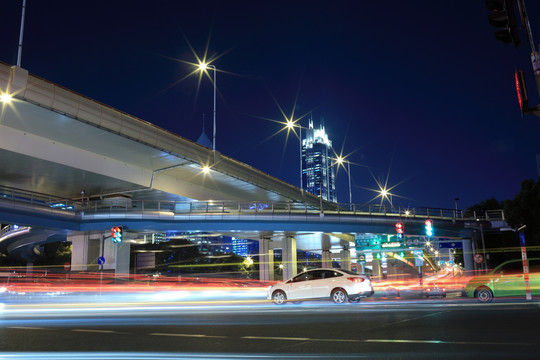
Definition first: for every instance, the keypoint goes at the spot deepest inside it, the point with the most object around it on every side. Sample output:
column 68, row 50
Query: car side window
column 318, row 274
column 331, row 274
column 512, row 268
column 302, row 277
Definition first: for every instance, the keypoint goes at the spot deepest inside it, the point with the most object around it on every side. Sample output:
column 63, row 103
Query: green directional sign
column 365, row 242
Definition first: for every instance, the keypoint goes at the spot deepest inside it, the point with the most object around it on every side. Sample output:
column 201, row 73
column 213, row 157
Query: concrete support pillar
column 326, row 261
column 345, row 259
column 122, row 258
column 376, row 267
column 289, row 258
column 468, row 262
column 88, row 248
column 79, row 251
column 266, row 260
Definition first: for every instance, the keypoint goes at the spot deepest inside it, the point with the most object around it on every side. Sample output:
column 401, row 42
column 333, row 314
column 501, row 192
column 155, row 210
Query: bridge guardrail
column 169, row 208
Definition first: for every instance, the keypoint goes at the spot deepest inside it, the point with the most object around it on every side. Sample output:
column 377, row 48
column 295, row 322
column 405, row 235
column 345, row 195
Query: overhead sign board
column 368, row 241
column 413, row 242
column 451, row 245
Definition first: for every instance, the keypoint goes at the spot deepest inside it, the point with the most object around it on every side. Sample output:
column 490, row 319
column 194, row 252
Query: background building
column 318, row 175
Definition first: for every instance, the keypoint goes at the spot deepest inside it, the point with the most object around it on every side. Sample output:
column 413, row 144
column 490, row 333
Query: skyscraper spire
column 318, row 175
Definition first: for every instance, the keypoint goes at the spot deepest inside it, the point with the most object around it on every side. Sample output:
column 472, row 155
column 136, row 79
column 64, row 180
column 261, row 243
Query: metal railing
column 117, row 205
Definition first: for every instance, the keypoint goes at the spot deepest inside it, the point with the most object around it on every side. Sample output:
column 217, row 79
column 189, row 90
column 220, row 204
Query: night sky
column 419, row 94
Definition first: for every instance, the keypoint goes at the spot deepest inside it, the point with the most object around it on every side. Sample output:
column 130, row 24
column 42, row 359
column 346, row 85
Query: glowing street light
column 203, row 67
column 5, row 98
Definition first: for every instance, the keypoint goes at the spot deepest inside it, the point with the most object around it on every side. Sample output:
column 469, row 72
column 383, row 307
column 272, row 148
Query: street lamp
column 290, row 125
column 203, row 66
column 340, row 161
column 6, row 98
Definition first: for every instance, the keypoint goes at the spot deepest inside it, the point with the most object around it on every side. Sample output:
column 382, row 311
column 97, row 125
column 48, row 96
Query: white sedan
column 336, row 284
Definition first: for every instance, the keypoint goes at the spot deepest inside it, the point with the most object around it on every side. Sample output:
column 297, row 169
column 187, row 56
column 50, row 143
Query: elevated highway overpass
column 76, row 166
column 57, row 142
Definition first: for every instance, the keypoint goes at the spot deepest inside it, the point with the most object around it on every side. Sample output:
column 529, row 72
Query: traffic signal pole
column 535, row 59
column 504, row 17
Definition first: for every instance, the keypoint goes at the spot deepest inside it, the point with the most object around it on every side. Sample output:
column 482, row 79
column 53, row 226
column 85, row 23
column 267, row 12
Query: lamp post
column 340, row 161
column 290, row 125
column 203, row 67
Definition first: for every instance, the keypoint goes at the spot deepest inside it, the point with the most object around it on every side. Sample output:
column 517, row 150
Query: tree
column 55, row 253
column 524, row 209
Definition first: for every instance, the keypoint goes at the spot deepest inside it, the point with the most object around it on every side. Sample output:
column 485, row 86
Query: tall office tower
column 318, row 175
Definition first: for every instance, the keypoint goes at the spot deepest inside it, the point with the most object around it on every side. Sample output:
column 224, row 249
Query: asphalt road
column 382, row 329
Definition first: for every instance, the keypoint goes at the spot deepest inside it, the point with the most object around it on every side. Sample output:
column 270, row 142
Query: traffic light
column 503, row 16
column 521, row 90
column 117, row 234
column 429, row 227
column 399, row 230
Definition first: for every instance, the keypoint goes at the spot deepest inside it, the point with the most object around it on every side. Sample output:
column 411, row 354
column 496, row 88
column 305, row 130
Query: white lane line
column 407, row 341
column 276, row 338
column 26, row 327
column 95, row 331
column 395, row 341
column 189, row 335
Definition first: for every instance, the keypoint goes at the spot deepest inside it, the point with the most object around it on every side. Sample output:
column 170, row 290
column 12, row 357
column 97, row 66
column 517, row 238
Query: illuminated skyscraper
column 318, row 175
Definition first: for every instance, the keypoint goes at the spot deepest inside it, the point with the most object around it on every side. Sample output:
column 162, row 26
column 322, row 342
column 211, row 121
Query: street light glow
column 203, row 66
column 206, row 169
column 6, row 98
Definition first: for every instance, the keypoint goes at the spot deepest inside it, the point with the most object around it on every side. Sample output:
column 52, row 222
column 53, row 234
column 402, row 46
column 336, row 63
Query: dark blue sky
column 419, row 93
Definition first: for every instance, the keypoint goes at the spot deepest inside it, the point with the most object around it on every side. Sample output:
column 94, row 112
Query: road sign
column 412, row 242
column 362, row 259
column 67, row 266
column 451, row 245
column 365, row 242
column 478, row 258
column 418, row 258
column 101, row 260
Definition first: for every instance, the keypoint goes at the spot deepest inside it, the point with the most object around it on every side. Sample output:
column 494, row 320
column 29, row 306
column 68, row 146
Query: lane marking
column 395, row 341
column 26, row 327
column 276, row 338
column 189, row 335
column 95, row 331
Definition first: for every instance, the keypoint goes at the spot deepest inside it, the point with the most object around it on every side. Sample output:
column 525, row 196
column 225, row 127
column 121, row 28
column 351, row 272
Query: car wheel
column 339, row 296
column 483, row 294
column 279, row 297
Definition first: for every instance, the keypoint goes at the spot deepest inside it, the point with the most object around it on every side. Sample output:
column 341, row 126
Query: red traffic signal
column 400, row 230
column 521, row 90
column 116, row 234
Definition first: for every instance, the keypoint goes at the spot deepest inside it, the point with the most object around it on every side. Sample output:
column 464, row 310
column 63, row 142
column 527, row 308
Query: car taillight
column 356, row 279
